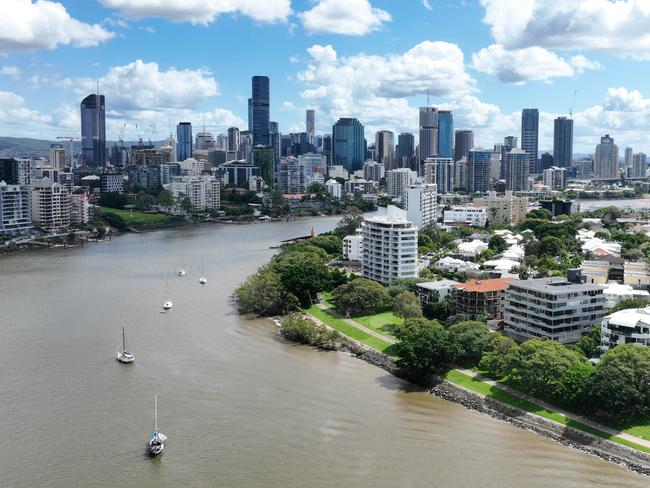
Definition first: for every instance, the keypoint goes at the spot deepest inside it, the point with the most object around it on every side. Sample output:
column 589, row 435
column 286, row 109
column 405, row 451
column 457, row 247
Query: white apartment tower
column 390, row 247
column 15, row 209
column 397, row 181
column 419, row 201
column 50, row 205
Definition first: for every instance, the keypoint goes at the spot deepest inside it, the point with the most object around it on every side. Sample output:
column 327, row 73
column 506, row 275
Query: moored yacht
column 123, row 356
column 156, row 444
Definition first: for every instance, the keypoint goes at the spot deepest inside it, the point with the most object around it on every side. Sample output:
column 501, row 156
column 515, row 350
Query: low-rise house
column 615, row 292
column 434, row 291
column 477, row 297
column 552, row 308
column 454, row 265
column 630, row 326
column 472, row 248
column 636, row 275
column 514, row 253
column 601, row 247
column 502, row 265
column 472, row 216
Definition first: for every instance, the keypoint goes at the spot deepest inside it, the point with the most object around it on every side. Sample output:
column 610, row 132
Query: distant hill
column 24, row 147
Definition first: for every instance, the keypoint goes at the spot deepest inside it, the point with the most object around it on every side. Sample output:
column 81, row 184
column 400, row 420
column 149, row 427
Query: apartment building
column 505, row 209
column 15, row 209
column 552, row 308
column 79, row 208
column 203, row 191
column 477, row 297
column 472, row 216
column 419, row 201
column 398, row 181
column 390, row 247
column 631, row 326
column 50, row 205
column 353, row 247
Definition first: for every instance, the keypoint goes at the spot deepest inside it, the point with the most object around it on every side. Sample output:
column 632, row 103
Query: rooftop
column 557, row 284
column 630, row 317
column 437, row 285
column 483, row 286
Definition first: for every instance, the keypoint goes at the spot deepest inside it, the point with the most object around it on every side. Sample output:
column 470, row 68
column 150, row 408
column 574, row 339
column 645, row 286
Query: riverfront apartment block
column 203, row 191
column 15, row 209
column 390, row 247
column 505, row 209
column 552, row 308
column 50, row 205
column 631, row 326
column 419, row 201
column 477, row 297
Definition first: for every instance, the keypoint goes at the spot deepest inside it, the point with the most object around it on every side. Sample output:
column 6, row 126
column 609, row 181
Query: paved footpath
column 359, row 326
column 553, row 408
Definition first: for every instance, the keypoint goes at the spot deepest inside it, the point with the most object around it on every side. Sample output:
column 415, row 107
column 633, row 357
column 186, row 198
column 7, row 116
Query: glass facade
column 183, row 141
column 259, row 115
column 93, row 131
column 348, row 144
column 445, row 133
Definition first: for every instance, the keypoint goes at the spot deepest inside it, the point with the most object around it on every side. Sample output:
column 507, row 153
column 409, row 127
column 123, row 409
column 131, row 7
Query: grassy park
column 135, row 218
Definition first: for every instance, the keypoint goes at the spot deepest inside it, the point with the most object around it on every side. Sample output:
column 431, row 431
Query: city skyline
column 377, row 64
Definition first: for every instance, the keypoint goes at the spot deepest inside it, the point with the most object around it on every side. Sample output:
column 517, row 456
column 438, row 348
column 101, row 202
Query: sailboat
column 181, row 272
column 203, row 280
column 168, row 304
column 156, row 444
column 123, row 356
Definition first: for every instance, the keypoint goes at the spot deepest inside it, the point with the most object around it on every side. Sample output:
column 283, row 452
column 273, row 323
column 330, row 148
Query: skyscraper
column 627, row 158
column 516, row 170
column 93, row 131
column 348, row 144
column 310, row 124
column 405, row 149
column 478, row 171
column 445, row 133
column 562, row 142
column 639, row 165
column 233, row 139
column 264, row 159
column 385, row 148
column 464, row 141
column 274, row 139
column 530, row 136
column 428, row 132
column 259, row 115
column 606, row 159
column 183, row 141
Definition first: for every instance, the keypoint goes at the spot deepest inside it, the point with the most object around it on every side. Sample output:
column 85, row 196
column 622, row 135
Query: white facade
column 203, row 191
column 334, row 188
column 453, row 265
column 555, row 178
column 419, row 201
column 338, row 171
column 352, row 247
column 390, row 247
column 474, row 216
column 192, row 167
column 625, row 327
column 79, row 209
column 398, row 181
column 15, row 209
column 50, row 205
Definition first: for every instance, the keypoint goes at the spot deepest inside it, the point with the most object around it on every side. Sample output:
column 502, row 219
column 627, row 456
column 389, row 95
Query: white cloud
column 427, row 5
column 44, row 25
column 203, row 11
column 619, row 27
column 13, row 71
column 346, row 17
column 17, row 119
column 528, row 64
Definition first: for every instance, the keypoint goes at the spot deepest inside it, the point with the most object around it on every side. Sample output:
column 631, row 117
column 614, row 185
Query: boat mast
column 155, row 413
column 123, row 340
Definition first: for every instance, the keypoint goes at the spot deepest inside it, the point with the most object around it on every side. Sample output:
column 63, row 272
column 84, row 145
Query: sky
column 159, row 62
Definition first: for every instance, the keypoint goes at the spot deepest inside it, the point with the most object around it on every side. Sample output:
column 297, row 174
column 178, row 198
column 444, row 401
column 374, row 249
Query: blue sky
column 162, row 61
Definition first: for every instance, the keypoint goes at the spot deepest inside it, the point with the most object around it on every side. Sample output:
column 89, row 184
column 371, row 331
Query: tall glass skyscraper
column 530, row 137
column 463, row 143
column 183, row 141
column 405, row 149
column 445, row 133
column 385, row 148
column 479, row 162
column 348, row 144
column 233, row 139
column 310, row 124
column 93, row 131
column 563, row 142
column 428, row 132
column 259, row 113
column 274, row 138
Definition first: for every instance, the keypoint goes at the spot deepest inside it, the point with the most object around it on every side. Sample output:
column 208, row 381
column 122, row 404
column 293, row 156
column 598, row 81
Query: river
column 240, row 407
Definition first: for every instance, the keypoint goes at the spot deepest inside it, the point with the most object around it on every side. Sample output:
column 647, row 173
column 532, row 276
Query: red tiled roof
column 482, row 286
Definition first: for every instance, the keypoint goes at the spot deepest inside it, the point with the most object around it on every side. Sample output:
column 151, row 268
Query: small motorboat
column 167, row 305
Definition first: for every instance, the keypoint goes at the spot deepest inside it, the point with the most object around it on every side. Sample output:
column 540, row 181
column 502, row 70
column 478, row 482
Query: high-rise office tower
column 205, row 141
column 274, row 139
column 348, row 144
column 639, row 165
column 233, row 139
column 310, row 124
column 385, row 148
column 445, row 133
column 57, row 156
column 546, row 161
column 259, row 114
column 93, row 131
column 464, row 141
column 606, row 159
column 327, row 148
column 406, row 149
column 516, row 170
column 509, row 143
column 627, row 158
column 263, row 158
column 428, row 132
column 479, row 162
column 530, row 136
column 183, row 141
column 562, row 142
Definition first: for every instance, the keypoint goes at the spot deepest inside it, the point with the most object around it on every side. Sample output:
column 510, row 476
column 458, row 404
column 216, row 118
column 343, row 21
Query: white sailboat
column 123, row 356
column 203, row 280
column 168, row 303
column 156, row 444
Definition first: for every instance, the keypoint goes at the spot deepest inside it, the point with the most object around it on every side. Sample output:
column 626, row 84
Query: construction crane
column 121, row 139
column 71, row 140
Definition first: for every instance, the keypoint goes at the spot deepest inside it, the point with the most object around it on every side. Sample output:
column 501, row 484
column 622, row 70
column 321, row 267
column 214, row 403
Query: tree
column 551, row 246
column 263, row 294
column 468, row 341
column 302, row 274
column 496, row 362
column 620, row 386
column 114, row 220
column 296, row 327
column 407, row 305
column 438, row 310
column 537, row 365
column 590, row 342
column 629, row 303
column 497, row 243
column 360, row 296
column 349, row 224
column 330, row 243
column 113, row 199
column 570, row 387
column 165, row 199
column 422, row 348
column 540, row 213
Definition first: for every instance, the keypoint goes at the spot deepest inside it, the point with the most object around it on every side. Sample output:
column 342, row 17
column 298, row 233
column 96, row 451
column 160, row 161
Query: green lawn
column 639, row 427
column 461, row 379
column 141, row 218
column 342, row 326
column 383, row 323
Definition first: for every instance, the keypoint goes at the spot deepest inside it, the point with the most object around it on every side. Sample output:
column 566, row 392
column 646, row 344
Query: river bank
column 631, row 459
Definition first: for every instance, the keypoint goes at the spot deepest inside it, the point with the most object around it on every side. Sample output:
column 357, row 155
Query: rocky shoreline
column 612, row 452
